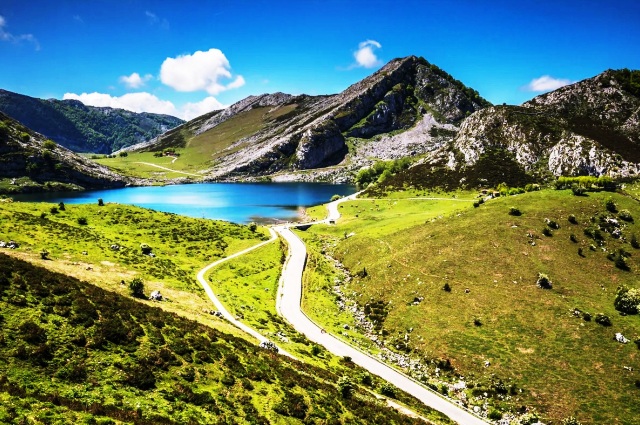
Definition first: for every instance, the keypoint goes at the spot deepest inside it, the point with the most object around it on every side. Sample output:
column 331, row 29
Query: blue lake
column 237, row 202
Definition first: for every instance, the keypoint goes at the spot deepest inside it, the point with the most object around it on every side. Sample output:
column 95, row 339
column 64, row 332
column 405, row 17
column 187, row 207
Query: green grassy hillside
column 544, row 347
column 71, row 352
column 197, row 152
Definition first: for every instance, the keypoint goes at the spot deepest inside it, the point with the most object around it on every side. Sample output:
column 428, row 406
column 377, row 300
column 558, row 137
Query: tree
column 627, row 300
column 100, row 202
column 253, row 227
column 136, row 287
column 123, row 154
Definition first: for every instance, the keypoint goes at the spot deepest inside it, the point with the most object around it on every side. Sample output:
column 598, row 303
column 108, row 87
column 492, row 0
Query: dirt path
column 169, row 169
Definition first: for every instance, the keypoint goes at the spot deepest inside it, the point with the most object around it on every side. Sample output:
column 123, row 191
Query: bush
column 366, row 379
column 315, row 350
column 346, row 387
column 547, row 232
column 603, row 319
column 572, row 219
column 571, row 420
column 529, row 418
column 100, row 202
column 476, row 204
column 446, row 287
column 494, row 414
column 552, row 223
column 477, row 322
column 514, row 211
column 335, row 197
column 48, row 144
column 627, row 300
column 136, row 287
column 82, row 221
column 53, row 210
column 578, row 191
column 625, row 215
column 543, row 281
column 123, row 154
column 145, row 248
column 573, row 238
column 61, row 206
column 611, row 206
column 634, row 241
column 44, row 254
column 253, row 227
column 388, row 390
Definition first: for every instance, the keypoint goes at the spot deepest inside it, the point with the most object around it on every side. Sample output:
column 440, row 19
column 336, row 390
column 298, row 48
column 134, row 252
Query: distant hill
column 407, row 108
column 31, row 162
column 84, row 128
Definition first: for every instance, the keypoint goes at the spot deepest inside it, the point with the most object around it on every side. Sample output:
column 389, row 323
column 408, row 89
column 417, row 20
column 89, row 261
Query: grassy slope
column 72, row 352
column 201, row 150
column 565, row 365
column 182, row 246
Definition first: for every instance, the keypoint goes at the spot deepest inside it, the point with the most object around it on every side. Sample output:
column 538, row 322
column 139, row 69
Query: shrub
column 53, row 210
column 529, row 418
column 43, row 215
column 603, row 319
column 253, row 227
column 477, row 322
column 388, row 390
column 476, row 204
column 625, row 215
column 578, row 191
column 44, row 254
column 123, row 154
column 572, row 219
column 145, row 248
column 586, row 316
column 514, row 211
column 48, row 144
column 627, row 300
column 494, row 414
column 547, row 232
column 552, row 223
column 573, row 238
column 446, row 287
column 621, row 262
column 346, row 387
column 100, row 202
column 366, row 379
column 82, row 221
column 571, row 420
column 136, row 287
column 610, row 205
column 543, row 281
column 335, row 197
column 580, row 252
column 315, row 350
column 61, row 206
column 634, row 241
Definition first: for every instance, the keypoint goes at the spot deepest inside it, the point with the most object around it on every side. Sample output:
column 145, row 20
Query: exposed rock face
column 84, row 128
column 405, row 94
column 590, row 127
column 24, row 153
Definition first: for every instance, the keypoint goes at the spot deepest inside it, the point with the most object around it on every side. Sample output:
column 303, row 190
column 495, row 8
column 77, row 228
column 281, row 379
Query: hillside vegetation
column 462, row 290
column 72, row 352
column 30, row 162
column 84, row 128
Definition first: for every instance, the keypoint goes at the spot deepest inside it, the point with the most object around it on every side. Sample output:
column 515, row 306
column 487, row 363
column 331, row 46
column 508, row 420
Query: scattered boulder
column 620, row 338
column 156, row 296
column 115, row 247
column 13, row 245
column 268, row 345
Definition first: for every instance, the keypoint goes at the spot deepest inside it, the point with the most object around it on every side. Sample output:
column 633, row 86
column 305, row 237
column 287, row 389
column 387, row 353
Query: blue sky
column 189, row 57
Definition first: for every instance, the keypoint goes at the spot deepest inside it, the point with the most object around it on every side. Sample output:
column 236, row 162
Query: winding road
column 288, row 301
column 225, row 313
column 288, row 305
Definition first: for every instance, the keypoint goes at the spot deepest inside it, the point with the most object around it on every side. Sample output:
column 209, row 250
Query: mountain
column 590, row 127
column 30, row 162
column 84, row 128
column 407, row 108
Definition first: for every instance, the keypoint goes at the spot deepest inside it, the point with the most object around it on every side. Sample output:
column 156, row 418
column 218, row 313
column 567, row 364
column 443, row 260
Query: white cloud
column 7, row 36
column 134, row 80
column 193, row 110
column 547, row 83
column 365, row 56
column 199, row 71
column 147, row 102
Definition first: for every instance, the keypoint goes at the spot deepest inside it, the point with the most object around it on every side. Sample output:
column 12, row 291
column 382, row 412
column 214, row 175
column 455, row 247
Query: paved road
column 225, row 313
column 288, row 305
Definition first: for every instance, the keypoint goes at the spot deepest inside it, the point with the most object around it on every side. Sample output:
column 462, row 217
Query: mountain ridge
column 84, row 128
